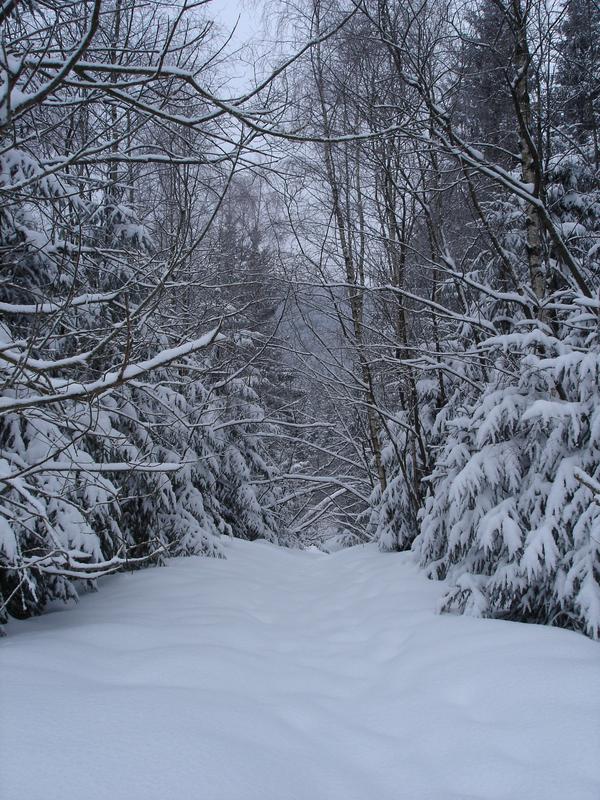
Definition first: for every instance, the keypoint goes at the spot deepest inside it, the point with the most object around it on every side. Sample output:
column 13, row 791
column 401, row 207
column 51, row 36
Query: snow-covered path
column 281, row 675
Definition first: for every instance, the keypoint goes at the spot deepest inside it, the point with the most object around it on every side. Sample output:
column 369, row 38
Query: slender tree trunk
column 530, row 161
column 354, row 273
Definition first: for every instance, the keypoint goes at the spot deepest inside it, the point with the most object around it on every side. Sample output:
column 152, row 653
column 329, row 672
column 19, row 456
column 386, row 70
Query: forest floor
column 285, row 675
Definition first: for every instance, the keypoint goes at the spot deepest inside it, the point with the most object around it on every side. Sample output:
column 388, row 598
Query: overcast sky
column 246, row 17
column 246, row 13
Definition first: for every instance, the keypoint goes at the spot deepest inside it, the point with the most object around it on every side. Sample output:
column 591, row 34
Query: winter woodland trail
column 283, row 675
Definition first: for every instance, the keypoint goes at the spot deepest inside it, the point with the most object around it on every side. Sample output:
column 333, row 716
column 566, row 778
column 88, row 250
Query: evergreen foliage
column 121, row 444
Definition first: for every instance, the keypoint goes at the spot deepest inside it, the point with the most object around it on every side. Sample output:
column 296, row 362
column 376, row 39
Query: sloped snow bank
column 286, row 675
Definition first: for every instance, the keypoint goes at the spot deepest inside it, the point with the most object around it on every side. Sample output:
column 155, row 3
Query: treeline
column 359, row 301
column 130, row 425
column 451, row 225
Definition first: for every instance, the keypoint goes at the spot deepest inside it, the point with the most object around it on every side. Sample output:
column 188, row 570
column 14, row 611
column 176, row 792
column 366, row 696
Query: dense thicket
column 130, row 417
column 461, row 255
column 359, row 302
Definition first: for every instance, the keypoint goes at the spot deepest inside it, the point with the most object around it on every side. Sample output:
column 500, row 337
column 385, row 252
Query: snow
column 293, row 675
column 50, row 308
column 111, row 379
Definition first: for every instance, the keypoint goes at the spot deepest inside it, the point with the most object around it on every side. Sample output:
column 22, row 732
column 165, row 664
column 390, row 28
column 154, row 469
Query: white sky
column 245, row 46
column 226, row 12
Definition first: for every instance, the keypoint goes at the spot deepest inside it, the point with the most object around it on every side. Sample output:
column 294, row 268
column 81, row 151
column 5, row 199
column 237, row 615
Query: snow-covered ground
column 280, row 675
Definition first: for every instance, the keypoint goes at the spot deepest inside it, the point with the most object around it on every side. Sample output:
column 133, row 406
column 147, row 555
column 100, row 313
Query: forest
column 351, row 297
